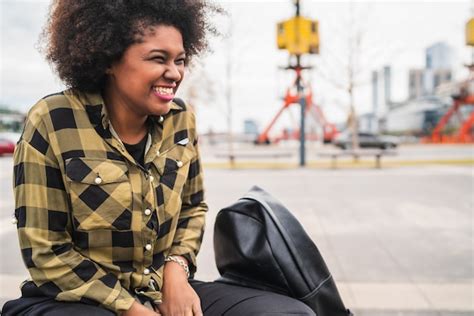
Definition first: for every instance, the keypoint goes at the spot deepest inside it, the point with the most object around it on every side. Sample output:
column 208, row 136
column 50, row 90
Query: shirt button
column 147, row 212
column 179, row 163
column 146, row 271
column 14, row 221
column 148, row 247
column 98, row 180
column 152, row 178
column 157, row 152
column 161, row 118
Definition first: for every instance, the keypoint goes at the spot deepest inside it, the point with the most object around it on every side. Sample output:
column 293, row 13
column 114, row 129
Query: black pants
column 217, row 299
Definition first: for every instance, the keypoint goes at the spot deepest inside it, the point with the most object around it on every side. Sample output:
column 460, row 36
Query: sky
column 394, row 33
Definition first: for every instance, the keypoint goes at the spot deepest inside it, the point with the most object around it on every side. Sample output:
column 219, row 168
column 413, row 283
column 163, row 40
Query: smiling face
column 144, row 81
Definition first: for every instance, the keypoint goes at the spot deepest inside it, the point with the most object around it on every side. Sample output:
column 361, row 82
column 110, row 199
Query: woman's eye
column 159, row 59
column 180, row 61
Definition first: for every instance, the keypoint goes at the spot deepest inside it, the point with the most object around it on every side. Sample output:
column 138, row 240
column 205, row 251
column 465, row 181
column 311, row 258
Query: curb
column 362, row 164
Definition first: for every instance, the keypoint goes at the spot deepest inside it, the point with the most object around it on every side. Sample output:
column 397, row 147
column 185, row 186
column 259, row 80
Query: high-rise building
column 387, row 87
column 439, row 56
column 416, row 83
column 423, row 82
column 381, row 98
column 381, row 90
column 438, row 70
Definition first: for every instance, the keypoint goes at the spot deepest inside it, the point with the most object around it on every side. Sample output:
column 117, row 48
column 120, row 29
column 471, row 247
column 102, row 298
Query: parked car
column 366, row 140
column 6, row 146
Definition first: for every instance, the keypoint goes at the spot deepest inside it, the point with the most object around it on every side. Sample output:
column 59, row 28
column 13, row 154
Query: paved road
column 398, row 241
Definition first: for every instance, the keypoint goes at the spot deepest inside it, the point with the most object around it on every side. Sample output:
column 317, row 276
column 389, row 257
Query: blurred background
column 382, row 177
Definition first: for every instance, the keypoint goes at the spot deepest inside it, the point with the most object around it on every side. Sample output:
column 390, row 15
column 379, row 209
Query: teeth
column 163, row 90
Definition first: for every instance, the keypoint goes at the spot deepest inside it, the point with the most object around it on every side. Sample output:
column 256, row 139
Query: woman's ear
column 109, row 71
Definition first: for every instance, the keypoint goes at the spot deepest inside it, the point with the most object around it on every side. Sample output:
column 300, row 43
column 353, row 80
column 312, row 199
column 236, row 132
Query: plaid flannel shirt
column 94, row 226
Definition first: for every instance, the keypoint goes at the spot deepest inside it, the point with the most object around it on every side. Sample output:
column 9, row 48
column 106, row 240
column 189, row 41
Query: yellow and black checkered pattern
column 95, row 226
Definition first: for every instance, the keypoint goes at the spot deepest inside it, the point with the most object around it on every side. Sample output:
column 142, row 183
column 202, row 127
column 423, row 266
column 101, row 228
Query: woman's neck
column 130, row 126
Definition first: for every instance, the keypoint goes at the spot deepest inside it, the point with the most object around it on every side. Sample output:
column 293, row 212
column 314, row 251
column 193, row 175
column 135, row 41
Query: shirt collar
column 97, row 111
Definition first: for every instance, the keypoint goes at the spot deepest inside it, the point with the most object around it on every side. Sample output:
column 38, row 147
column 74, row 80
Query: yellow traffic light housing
column 298, row 36
column 470, row 32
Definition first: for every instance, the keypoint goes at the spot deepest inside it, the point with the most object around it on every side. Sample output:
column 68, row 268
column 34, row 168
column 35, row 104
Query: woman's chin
column 160, row 109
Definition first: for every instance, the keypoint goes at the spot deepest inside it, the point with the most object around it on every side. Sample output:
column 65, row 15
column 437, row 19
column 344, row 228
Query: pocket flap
column 96, row 171
column 174, row 158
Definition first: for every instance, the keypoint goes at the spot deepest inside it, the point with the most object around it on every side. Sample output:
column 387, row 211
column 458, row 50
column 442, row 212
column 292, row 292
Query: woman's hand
column 179, row 298
column 138, row 309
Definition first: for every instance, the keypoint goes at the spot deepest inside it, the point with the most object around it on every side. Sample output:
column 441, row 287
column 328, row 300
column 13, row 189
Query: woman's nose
column 172, row 73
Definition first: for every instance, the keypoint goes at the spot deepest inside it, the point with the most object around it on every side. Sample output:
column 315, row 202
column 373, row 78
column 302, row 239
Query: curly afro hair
column 84, row 37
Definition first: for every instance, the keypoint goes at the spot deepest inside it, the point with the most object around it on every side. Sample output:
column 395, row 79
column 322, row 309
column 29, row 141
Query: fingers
column 197, row 311
column 188, row 313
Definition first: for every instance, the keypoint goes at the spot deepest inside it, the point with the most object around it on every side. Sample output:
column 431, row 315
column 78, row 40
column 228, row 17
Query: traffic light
column 298, row 36
column 470, row 32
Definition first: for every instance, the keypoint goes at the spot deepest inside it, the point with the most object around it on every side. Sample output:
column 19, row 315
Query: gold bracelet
column 180, row 262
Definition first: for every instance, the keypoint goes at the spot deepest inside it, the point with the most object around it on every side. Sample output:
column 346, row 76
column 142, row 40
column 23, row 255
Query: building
column 381, row 100
column 415, row 117
column 416, row 83
column 250, row 127
column 439, row 56
column 425, row 105
column 11, row 121
column 438, row 70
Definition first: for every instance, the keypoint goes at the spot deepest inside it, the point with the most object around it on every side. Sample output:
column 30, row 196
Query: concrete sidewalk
column 398, row 241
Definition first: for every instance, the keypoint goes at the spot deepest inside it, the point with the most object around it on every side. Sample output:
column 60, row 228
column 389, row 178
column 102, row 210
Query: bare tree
column 228, row 89
column 198, row 89
column 234, row 50
column 347, row 65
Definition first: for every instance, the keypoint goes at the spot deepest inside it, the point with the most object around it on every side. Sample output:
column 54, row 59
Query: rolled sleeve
column 191, row 222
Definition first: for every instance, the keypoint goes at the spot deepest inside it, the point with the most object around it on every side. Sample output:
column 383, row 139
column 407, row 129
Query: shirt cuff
column 189, row 255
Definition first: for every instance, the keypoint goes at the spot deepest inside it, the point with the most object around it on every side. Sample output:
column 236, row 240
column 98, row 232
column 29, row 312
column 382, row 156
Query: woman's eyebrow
column 165, row 52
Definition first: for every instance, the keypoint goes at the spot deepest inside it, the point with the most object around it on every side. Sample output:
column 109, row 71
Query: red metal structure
column 465, row 133
column 329, row 130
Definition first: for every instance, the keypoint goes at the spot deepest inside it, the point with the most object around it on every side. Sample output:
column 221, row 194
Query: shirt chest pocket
column 173, row 166
column 101, row 194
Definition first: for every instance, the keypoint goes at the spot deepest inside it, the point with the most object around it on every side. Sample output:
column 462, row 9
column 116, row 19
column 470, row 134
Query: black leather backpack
column 258, row 243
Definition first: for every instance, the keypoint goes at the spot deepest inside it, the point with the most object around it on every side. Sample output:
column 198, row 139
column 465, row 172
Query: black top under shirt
column 137, row 151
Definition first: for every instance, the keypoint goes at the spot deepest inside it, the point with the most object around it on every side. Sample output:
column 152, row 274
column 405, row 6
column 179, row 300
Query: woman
column 108, row 186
